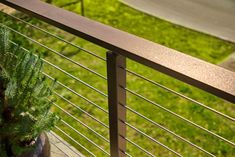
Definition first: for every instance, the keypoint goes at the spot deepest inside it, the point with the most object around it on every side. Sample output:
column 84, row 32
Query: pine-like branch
column 24, row 110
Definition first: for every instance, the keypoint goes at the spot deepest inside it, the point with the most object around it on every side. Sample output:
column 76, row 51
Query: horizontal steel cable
column 97, row 120
column 74, row 92
column 75, row 78
column 57, row 37
column 66, row 87
column 75, row 141
column 169, row 131
column 151, row 138
column 61, row 150
column 55, row 136
column 181, row 95
column 89, row 140
column 180, row 117
column 225, row 115
column 139, row 147
column 125, row 153
column 65, row 72
column 57, row 53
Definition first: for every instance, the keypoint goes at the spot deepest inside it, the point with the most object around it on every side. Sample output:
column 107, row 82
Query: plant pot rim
column 42, row 147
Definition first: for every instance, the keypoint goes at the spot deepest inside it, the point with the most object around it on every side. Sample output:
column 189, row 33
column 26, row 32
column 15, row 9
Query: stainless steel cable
column 61, row 150
column 180, row 95
column 75, row 130
column 149, row 137
column 75, row 78
column 56, row 136
column 57, row 37
column 74, row 92
column 64, row 86
column 72, row 76
column 79, row 121
column 211, row 109
column 180, row 117
column 139, row 147
column 169, row 131
column 126, row 153
column 57, row 53
column 75, row 141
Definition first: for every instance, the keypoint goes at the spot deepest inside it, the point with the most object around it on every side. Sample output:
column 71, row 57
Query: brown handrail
column 196, row 72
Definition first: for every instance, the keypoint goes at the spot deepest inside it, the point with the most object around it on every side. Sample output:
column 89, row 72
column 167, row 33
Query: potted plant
column 24, row 103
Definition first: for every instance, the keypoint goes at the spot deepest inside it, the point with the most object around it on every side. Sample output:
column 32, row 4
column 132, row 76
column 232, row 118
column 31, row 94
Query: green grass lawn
column 118, row 15
column 112, row 12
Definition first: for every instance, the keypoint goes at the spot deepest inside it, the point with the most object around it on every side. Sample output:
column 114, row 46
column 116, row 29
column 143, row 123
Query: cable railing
column 139, row 147
column 93, row 143
column 66, row 144
column 150, row 138
column 75, row 141
column 58, row 147
column 76, row 119
column 121, row 46
column 55, row 36
column 180, row 117
column 167, row 130
column 180, row 95
column 58, row 68
column 103, row 124
column 77, row 107
column 74, row 92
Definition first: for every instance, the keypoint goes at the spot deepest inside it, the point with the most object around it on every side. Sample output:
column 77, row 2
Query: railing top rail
column 196, row 72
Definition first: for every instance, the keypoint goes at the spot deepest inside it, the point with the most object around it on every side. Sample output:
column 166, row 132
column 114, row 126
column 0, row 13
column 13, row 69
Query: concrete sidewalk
column 214, row 17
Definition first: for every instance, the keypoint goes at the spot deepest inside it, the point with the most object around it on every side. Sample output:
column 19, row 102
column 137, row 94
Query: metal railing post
column 82, row 8
column 116, row 98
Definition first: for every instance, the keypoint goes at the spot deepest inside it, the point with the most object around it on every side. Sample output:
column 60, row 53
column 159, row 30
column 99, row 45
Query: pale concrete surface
column 229, row 63
column 214, row 17
column 6, row 9
column 60, row 148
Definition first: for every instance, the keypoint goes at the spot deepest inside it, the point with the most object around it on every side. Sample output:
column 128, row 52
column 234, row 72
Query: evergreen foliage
column 24, row 104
